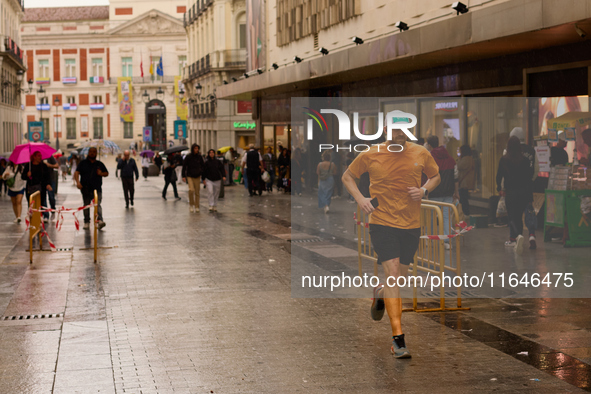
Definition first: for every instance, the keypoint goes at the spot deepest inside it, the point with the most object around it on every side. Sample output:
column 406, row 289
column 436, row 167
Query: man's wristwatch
column 425, row 192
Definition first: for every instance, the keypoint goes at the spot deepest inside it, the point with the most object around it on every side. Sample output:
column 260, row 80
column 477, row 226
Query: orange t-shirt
column 390, row 176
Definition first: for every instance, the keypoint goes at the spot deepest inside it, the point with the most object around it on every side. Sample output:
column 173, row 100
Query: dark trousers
column 145, row 172
column 87, row 197
column 254, row 180
column 43, row 193
column 516, row 204
column 51, row 196
column 128, row 189
column 166, row 183
column 464, row 201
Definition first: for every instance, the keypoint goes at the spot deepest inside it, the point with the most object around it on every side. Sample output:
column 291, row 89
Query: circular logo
column 36, row 136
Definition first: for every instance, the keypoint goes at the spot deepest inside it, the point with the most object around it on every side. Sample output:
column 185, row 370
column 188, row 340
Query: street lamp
column 210, row 97
column 19, row 75
column 160, row 94
column 146, row 96
column 181, row 94
column 56, row 102
column 41, row 94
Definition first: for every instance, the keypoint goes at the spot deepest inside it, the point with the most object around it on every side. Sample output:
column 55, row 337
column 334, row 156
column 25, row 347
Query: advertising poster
column 182, row 109
column 125, row 94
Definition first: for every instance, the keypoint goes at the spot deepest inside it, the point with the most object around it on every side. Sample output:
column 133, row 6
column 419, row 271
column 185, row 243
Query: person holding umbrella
column 89, row 177
column 38, row 177
column 12, row 178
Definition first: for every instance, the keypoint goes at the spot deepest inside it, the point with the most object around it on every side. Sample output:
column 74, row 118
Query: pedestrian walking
column 74, row 161
column 213, row 175
column 284, row 162
column 53, row 166
column 531, row 220
column 117, row 161
column 515, row 173
column 128, row 168
column 394, row 225
column 170, row 178
column 270, row 162
column 12, row 177
column 326, row 170
column 89, row 177
column 447, row 188
column 145, row 166
column 254, row 168
column 63, row 163
column 192, row 169
column 158, row 162
column 466, row 178
column 38, row 178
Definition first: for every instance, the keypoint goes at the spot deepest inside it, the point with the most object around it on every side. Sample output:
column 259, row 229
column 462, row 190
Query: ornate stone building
column 90, row 61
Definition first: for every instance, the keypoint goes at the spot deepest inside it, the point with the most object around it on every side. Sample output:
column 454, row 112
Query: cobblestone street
column 184, row 302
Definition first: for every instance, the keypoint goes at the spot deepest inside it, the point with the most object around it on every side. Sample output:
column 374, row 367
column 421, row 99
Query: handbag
column 10, row 181
column 266, row 177
column 501, row 207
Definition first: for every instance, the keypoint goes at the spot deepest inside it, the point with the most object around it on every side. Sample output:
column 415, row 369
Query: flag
column 151, row 68
column 159, row 70
column 142, row 67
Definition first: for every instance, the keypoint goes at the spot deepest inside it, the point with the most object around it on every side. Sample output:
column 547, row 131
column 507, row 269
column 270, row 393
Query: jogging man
column 89, row 177
column 394, row 227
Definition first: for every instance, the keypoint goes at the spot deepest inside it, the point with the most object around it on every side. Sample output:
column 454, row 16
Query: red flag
column 142, row 67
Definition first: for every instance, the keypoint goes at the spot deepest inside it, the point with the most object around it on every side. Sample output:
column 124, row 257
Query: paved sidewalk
column 201, row 303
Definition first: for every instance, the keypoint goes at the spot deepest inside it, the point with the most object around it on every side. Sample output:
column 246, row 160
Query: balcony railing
column 203, row 110
column 147, row 80
column 229, row 59
column 196, row 10
column 10, row 47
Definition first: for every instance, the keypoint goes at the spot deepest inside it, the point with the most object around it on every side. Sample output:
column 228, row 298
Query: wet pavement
column 202, row 303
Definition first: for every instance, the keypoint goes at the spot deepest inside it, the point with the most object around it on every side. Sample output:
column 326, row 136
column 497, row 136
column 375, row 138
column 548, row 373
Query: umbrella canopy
column 106, row 145
column 175, row 149
column 22, row 153
column 225, row 149
column 147, row 153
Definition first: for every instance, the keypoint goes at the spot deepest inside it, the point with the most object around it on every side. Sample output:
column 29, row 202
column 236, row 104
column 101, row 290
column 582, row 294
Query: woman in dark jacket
column 516, row 174
column 213, row 174
column 37, row 175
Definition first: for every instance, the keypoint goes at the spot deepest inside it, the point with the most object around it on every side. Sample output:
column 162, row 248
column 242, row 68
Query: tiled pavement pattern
column 201, row 303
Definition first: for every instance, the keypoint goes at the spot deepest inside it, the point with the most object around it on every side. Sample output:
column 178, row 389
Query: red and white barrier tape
column 58, row 223
column 464, row 228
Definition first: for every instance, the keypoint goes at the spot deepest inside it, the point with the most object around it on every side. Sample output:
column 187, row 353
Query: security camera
column 580, row 31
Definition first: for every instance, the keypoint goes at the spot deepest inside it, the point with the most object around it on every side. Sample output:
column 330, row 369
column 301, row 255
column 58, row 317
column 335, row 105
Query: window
column 97, row 99
column 71, row 128
column 97, row 128
column 43, row 68
column 44, row 100
column 182, row 64
column 71, row 99
column 242, row 35
column 70, row 68
column 97, row 67
column 46, row 129
column 127, row 129
column 127, row 65
column 155, row 60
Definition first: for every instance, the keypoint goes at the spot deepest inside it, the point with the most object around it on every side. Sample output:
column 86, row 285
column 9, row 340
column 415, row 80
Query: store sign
column 394, row 120
column 244, row 125
column 180, row 129
column 446, row 106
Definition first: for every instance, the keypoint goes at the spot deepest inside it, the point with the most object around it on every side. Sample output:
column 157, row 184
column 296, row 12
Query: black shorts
column 390, row 243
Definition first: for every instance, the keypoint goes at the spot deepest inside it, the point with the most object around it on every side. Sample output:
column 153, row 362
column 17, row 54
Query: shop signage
column 35, row 131
column 180, row 129
column 244, row 125
column 147, row 133
column 446, row 106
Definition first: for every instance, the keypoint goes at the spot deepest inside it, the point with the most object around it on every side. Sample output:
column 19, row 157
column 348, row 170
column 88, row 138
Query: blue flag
column 159, row 70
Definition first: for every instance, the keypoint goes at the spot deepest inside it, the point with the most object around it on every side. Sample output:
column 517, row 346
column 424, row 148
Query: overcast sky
column 63, row 3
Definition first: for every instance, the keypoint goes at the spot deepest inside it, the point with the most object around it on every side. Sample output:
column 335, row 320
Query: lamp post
column 56, row 102
column 212, row 98
column 41, row 94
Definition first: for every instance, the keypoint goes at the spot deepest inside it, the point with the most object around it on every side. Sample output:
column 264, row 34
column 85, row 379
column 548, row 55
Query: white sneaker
column 519, row 244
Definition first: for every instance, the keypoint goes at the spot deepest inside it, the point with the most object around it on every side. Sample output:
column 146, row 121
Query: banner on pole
column 125, row 99
column 147, row 133
column 181, row 105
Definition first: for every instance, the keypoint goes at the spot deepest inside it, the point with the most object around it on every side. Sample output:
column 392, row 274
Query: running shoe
column 399, row 352
column 510, row 244
column 532, row 242
column 378, row 306
column 101, row 224
column 519, row 244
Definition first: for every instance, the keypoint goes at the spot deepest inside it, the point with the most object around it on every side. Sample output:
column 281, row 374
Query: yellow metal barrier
column 431, row 254
column 95, row 226
column 35, row 223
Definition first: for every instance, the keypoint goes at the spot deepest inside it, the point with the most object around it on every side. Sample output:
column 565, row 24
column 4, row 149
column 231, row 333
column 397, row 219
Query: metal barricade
column 431, row 257
column 35, row 222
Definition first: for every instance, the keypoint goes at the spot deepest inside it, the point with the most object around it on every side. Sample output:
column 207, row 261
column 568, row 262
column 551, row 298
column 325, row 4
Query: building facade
column 90, row 61
column 470, row 75
column 216, row 31
column 12, row 69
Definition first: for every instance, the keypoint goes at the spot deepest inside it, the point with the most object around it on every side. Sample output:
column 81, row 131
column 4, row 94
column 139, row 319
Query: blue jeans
column 445, row 212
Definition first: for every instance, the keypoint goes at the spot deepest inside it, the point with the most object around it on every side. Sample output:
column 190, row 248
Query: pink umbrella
column 22, row 153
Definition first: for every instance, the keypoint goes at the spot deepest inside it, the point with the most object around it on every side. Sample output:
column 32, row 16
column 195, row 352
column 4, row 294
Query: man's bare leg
column 392, row 298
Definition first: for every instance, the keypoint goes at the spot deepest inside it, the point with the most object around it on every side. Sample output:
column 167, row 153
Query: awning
column 570, row 120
